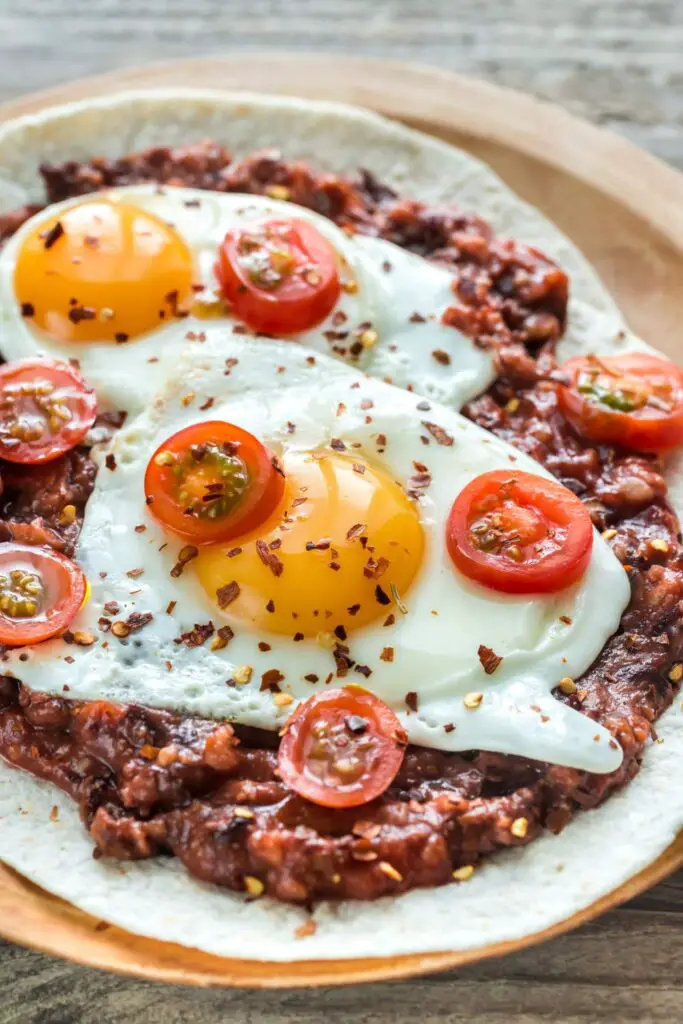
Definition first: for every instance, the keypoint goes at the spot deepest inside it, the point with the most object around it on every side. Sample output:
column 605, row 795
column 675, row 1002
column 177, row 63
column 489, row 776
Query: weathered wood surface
column 618, row 62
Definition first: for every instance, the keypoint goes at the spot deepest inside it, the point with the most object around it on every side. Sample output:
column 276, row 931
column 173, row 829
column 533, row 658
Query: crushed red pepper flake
column 185, row 555
column 234, row 551
column 375, row 568
column 489, row 659
column 271, row 679
column 133, row 574
column 269, row 558
column 440, row 435
column 227, row 594
column 342, row 659
column 197, row 636
column 441, row 357
column 263, row 646
column 411, row 700
column 53, row 235
column 353, row 609
column 358, row 467
column 110, row 462
column 387, row 654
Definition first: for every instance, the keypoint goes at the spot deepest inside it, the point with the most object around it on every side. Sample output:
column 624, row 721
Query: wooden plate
column 621, row 206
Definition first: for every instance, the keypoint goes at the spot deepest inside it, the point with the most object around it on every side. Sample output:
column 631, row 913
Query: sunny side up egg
column 345, row 577
column 122, row 280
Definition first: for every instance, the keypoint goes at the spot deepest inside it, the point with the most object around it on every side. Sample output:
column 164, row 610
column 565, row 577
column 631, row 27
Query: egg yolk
column 103, row 271
column 326, row 558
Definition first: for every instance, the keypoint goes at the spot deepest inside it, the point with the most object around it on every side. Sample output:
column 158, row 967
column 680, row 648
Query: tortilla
column 515, row 894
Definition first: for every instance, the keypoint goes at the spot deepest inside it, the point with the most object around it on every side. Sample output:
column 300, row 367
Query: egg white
column 391, row 286
column 435, row 643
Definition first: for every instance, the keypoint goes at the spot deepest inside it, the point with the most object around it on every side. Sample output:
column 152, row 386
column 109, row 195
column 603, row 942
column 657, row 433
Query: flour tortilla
column 515, row 894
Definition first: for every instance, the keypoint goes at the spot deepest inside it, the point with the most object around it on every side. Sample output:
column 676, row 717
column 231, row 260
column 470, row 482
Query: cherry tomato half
column 635, row 400
column 342, row 748
column 41, row 592
column 211, row 482
column 46, row 408
column 279, row 276
column 519, row 533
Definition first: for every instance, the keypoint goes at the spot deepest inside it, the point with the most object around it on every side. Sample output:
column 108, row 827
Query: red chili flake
column 381, row 596
column 387, row 654
column 185, row 555
column 28, row 309
column 310, row 360
column 133, row 574
column 411, row 700
column 230, row 362
column 312, row 678
column 489, row 659
column 375, row 567
column 341, row 408
column 337, row 445
column 339, row 318
column 449, row 727
column 110, row 461
column 120, row 337
column 417, row 318
column 440, row 435
column 340, row 632
column 340, row 653
column 367, row 403
column 355, row 531
column 111, row 608
column 78, row 313
column 298, row 501
column 381, row 441
column 390, row 620
column 358, row 468
column 226, row 634
column 275, row 544
column 353, row 609
column 567, row 619
column 227, row 594
column 104, row 623
column 441, row 357
column 207, row 404
column 317, row 545
column 170, row 606
column 197, row 636
column 269, row 558
column 270, row 607
column 417, row 484
column 234, row 551
column 263, row 646
column 271, row 680
column 53, row 235
column 140, row 528
column 138, row 620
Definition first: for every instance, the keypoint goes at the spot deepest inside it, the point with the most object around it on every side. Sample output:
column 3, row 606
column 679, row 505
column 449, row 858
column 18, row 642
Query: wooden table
column 615, row 61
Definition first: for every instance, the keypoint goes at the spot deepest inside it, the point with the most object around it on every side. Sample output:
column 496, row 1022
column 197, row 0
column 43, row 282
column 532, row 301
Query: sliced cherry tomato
column 519, row 533
column 280, row 276
column 41, row 592
column 211, row 482
column 46, row 408
column 635, row 400
column 342, row 748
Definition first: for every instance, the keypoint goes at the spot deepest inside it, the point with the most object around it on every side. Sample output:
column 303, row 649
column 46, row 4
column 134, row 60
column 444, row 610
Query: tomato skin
column 263, row 494
column 70, row 391
column 542, row 504
column 334, row 708
column 302, row 297
column 647, row 429
column 67, row 591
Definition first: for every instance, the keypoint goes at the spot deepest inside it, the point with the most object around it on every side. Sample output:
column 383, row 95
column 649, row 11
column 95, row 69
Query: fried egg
column 121, row 281
column 355, row 451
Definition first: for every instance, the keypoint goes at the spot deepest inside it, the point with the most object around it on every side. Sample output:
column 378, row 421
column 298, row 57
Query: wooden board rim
column 422, row 96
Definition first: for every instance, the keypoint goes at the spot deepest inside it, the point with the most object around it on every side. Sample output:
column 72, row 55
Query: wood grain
column 617, row 62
